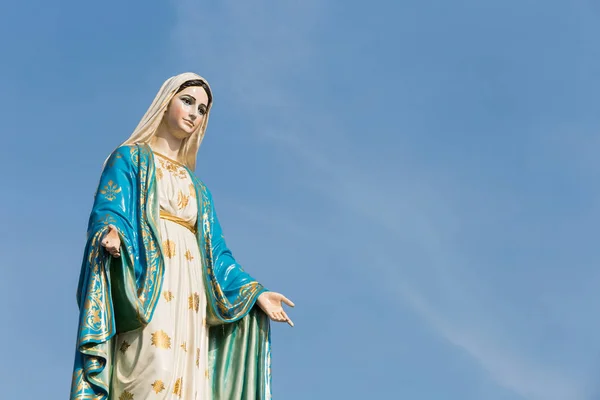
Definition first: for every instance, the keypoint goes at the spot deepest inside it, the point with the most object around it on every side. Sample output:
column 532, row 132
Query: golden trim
column 177, row 220
column 169, row 158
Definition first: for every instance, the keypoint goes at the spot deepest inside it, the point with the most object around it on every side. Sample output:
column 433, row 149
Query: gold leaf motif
column 124, row 346
column 107, row 220
column 182, row 200
column 188, row 255
column 159, row 174
column 126, row 395
column 96, row 316
column 134, row 154
column 206, row 373
column 158, row 386
column 161, row 340
column 192, row 191
column 178, row 387
column 117, row 156
column 110, row 191
column 198, row 357
column 168, row 295
column 184, row 346
column 194, row 302
column 169, row 247
column 151, row 246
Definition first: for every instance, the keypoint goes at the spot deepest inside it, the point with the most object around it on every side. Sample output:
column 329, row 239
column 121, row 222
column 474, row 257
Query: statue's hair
column 197, row 82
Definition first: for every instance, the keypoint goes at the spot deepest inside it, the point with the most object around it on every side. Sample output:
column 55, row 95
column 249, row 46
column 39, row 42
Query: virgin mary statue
column 166, row 312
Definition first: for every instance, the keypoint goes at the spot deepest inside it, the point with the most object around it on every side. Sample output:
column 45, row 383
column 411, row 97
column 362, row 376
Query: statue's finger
column 287, row 319
column 287, row 301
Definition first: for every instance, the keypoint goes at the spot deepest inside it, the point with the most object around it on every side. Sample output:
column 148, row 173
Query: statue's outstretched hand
column 111, row 241
column 270, row 303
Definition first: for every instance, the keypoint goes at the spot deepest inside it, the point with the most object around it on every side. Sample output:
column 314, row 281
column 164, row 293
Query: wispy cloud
column 511, row 369
column 262, row 47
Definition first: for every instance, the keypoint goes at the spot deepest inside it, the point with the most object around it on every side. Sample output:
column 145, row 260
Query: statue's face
column 186, row 111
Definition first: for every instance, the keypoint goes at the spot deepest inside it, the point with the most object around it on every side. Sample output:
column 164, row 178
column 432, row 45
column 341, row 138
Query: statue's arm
column 114, row 202
column 270, row 302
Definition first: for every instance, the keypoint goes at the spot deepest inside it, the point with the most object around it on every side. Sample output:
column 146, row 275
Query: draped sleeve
column 232, row 291
column 113, row 205
column 240, row 336
column 116, row 294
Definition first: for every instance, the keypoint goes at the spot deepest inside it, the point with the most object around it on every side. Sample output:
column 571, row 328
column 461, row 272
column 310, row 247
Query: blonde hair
column 149, row 123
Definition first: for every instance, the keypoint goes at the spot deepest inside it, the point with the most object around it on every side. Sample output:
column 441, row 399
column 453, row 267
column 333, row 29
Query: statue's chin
column 182, row 134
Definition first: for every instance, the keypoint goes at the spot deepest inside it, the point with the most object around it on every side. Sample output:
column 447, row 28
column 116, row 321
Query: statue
column 166, row 312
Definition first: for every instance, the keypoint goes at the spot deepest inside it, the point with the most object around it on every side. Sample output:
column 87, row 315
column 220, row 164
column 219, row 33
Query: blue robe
column 120, row 294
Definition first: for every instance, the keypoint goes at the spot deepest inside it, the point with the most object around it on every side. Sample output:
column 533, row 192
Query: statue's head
column 183, row 106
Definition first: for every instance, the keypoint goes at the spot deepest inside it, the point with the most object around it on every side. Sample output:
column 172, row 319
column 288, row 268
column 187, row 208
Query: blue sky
column 419, row 176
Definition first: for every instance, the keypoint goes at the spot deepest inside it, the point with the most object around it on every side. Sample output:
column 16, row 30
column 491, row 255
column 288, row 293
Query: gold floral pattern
column 95, row 316
column 124, row 346
column 176, row 169
column 168, row 295
column 161, row 340
column 198, row 357
column 182, row 200
column 178, row 387
column 158, row 386
column 159, row 174
column 126, row 395
column 188, row 255
column 110, row 190
column 184, row 346
column 194, row 302
column 169, row 248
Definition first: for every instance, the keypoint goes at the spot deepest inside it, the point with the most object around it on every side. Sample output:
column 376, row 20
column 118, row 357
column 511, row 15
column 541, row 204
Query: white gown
column 168, row 358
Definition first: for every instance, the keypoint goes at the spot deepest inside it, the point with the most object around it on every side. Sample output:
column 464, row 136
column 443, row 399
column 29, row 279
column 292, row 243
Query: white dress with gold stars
column 168, row 358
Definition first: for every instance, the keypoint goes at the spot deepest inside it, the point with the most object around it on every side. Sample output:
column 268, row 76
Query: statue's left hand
column 270, row 303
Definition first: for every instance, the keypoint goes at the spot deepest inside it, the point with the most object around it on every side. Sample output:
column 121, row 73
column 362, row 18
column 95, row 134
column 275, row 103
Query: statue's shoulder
column 131, row 154
column 127, row 156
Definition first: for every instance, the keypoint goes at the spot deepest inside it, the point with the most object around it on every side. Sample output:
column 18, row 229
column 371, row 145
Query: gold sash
column 178, row 220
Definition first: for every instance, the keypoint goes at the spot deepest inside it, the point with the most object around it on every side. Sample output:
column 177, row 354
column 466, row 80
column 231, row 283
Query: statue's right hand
column 111, row 241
